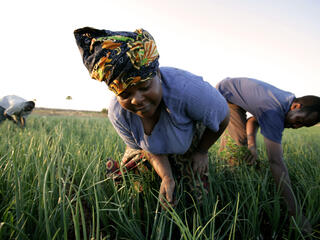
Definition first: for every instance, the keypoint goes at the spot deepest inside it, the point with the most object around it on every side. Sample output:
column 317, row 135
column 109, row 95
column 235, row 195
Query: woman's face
column 143, row 98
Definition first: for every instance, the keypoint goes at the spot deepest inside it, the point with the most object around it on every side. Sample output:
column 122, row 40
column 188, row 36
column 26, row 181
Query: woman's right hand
column 166, row 192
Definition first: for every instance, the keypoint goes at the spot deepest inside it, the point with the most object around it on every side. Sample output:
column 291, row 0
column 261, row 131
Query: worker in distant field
column 272, row 110
column 16, row 109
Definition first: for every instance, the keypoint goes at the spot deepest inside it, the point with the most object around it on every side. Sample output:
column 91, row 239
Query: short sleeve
column 272, row 125
column 121, row 127
column 207, row 105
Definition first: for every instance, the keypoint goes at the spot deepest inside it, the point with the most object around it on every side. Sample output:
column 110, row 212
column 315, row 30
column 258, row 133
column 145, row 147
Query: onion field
column 53, row 185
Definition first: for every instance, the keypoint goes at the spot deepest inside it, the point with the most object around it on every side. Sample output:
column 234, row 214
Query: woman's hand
column 161, row 165
column 166, row 192
column 200, row 163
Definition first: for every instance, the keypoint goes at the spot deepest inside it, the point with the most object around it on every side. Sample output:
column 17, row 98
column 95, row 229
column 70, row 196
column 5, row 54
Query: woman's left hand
column 200, row 163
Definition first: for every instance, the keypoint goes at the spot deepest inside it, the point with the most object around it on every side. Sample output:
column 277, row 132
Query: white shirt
column 14, row 105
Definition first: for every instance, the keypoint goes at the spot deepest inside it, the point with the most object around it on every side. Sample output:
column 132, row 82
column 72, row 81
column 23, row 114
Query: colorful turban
column 121, row 59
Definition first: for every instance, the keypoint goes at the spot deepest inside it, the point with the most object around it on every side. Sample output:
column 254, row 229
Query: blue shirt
column 268, row 104
column 187, row 99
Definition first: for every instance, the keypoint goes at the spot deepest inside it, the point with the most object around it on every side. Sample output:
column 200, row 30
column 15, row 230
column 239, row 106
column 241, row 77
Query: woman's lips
column 142, row 109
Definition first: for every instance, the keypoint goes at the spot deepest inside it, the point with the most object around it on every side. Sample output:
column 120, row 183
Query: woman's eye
column 145, row 87
column 124, row 95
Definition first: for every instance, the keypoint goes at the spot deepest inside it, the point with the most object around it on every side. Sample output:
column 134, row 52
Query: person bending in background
column 16, row 109
column 165, row 115
column 273, row 110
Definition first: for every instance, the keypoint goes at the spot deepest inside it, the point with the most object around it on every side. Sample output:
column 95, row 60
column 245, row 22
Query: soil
column 67, row 112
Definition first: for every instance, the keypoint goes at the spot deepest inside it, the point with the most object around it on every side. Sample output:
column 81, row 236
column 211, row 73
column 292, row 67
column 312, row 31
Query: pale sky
column 276, row 41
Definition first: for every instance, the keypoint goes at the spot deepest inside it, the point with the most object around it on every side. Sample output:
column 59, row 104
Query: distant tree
column 104, row 110
column 68, row 98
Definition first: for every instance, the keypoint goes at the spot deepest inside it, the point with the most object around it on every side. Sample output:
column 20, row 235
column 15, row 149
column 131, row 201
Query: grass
column 53, row 186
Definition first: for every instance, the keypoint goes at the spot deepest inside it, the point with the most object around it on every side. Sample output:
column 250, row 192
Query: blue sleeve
column 271, row 125
column 205, row 104
column 121, row 127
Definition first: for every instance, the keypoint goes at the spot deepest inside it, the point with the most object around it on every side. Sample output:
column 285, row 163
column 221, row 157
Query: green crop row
column 53, row 185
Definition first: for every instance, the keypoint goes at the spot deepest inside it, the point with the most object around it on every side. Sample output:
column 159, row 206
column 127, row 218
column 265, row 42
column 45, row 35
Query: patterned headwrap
column 121, row 59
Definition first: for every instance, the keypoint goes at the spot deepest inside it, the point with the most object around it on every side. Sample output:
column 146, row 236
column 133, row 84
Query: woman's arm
column 161, row 165
column 209, row 137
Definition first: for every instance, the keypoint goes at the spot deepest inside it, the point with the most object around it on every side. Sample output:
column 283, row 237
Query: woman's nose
column 137, row 98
